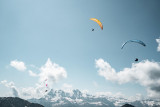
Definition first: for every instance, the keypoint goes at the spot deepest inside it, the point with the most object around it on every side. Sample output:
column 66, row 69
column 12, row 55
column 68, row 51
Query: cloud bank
column 19, row 65
column 32, row 74
column 146, row 73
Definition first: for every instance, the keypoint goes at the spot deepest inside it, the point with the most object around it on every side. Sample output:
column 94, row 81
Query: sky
column 53, row 40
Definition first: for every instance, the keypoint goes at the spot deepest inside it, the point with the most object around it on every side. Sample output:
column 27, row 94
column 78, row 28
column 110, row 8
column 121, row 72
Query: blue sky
column 33, row 31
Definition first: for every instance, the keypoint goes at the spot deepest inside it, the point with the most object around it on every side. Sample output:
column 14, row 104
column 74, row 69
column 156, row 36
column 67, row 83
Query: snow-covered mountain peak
column 76, row 98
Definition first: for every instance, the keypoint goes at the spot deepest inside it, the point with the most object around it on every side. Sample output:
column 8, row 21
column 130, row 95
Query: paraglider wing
column 96, row 20
column 136, row 41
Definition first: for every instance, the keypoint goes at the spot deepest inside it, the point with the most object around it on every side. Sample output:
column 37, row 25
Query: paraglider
column 96, row 20
column 136, row 59
column 135, row 41
column 92, row 29
column 46, row 85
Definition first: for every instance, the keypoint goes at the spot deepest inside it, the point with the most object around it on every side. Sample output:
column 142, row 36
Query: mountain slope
column 16, row 102
column 127, row 105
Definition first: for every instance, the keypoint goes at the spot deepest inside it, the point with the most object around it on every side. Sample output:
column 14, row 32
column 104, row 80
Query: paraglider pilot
column 136, row 59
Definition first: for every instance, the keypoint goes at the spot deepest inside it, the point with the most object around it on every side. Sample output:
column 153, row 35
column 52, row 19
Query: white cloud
column 158, row 41
column 146, row 73
column 3, row 82
column 106, row 70
column 52, row 72
column 26, row 93
column 67, row 86
column 7, row 84
column 153, row 94
column 33, row 92
column 19, row 65
column 32, row 74
column 11, row 86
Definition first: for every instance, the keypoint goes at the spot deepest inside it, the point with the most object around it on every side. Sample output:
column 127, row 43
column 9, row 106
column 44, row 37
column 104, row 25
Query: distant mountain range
column 16, row 102
column 75, row 98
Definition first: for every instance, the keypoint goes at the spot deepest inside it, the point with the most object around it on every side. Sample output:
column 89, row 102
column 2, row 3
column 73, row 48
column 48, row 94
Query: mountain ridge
column 76, row 98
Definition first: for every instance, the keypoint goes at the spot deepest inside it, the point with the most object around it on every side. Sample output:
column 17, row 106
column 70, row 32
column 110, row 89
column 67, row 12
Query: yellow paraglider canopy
column 96, row 20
